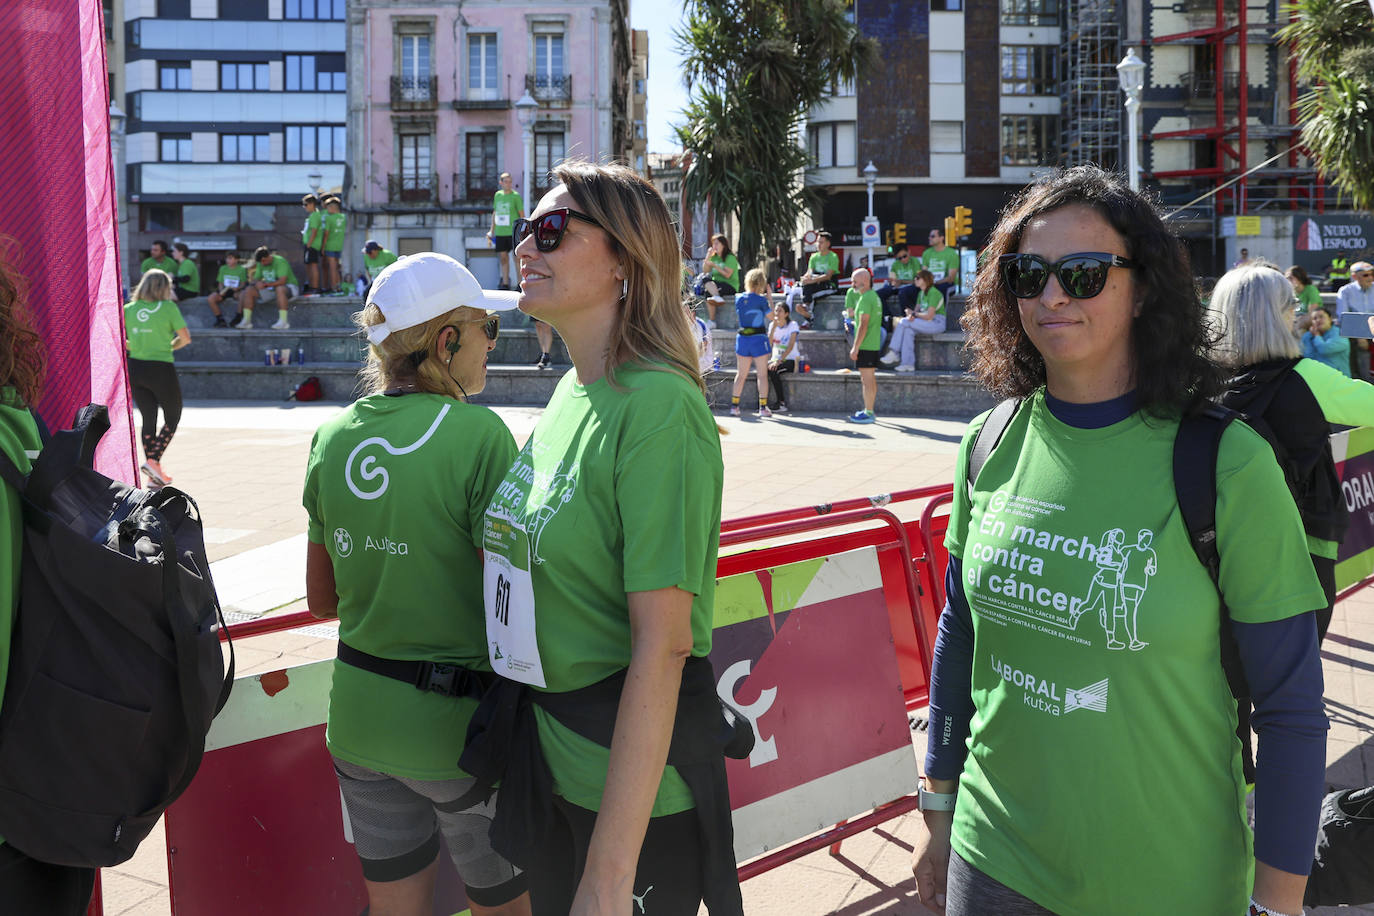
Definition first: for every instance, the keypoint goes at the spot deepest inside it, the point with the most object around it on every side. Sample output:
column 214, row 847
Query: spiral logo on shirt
column 368, row 469
column 343, row 542
column 145, row 313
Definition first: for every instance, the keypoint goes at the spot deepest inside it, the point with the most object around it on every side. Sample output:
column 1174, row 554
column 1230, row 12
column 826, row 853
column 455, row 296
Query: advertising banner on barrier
column 804, row 651
column 1354, row 454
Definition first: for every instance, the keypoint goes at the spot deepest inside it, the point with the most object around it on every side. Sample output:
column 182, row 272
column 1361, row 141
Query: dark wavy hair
column 22, row 357
column 1170, row 338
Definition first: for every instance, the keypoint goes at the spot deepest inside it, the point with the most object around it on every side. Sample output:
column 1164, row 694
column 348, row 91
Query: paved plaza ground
column 245, row 464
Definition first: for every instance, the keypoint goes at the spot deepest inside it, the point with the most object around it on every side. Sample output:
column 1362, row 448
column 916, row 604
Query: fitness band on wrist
column 1259, row 909
column 941, row 801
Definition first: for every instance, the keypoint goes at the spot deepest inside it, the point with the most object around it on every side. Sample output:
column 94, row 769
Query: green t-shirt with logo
column 931, row 298
column 904, row 272
column 334, row 226
column 275, row 270
column 374, row 265
column 19, row 440
column 1103, row 773
column 866, row 304
column 238, row 272
column 188, row 276
column 151, row 327
column 167, row 264
column 615, row 492
column 821, row 262
column 506, row 207
column 1344, row 401
column 940, row 263
column 731, row 262
column 1309, row 297
column 314, row 225
column 395, row 489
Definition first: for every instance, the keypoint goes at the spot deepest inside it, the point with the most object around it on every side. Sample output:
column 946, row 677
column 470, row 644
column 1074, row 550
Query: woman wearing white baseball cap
column 395, row 490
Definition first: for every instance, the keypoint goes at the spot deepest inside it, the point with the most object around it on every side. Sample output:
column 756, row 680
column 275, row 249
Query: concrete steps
column 225, row 363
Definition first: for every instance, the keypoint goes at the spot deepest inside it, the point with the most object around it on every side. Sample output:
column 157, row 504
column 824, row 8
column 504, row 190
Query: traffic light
column 950, row 237
column 899, row 233
column 963, row 222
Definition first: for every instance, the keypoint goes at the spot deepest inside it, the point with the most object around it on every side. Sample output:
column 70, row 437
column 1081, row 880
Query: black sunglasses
column 1081, row 275
column 490, row 324
column 548, row 229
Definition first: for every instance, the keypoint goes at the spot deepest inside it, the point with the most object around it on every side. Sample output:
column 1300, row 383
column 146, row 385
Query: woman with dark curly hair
column 1083, row 755
column 26, row 884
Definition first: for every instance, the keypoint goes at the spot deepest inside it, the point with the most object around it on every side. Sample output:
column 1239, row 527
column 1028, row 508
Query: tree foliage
column 1333, row 41
column 753, row 68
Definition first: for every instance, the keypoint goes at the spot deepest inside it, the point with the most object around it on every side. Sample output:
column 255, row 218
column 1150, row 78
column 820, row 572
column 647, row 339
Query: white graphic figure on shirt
column 560, row 492
column 368, row 470
column 1104, row 594
column 639, row 898
column 1139, row 565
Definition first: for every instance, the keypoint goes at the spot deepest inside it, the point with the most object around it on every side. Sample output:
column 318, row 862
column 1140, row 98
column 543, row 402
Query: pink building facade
column 433, row 119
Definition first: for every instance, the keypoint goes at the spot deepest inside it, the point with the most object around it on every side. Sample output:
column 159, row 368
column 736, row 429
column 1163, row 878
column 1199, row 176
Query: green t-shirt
column 374, row 265
column 314, row 225
column 334, row 226
column 151, row 327
column 941, row 262
column 819, row 263
column 395, row 489
column 615, row 492
column 931, row 298
column 732, row 263
column 1309, row 297
column 275, row 270
column 166, row 264
column 506, row 207
column 18, row 440
column 1104, row 772
column 1344, row 401
column 239, row 274
column 867, row 304
column 188, row 276
column 906, row 273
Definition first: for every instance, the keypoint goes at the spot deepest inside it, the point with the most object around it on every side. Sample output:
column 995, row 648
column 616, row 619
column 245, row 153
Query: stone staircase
column 223, row 363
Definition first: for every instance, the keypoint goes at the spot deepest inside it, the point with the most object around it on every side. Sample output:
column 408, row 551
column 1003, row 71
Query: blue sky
column 667, row 96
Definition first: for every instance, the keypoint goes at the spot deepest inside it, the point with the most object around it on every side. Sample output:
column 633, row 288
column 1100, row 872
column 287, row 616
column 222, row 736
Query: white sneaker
column 710, row 325
column 244, row 324
column 888, row 358
column 906, row 367
column 282, row 325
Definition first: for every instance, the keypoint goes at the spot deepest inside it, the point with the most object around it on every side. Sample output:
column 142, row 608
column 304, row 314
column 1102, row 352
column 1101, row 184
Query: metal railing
column 413, row 188
column 414, row 93
column 549, row 89
column 475, row 186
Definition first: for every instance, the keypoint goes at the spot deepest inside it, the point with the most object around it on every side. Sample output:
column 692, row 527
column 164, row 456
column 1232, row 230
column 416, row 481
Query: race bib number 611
column 508, row 595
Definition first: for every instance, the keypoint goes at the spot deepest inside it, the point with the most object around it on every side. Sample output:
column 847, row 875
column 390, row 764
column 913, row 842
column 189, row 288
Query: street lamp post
column 870, row 177
column 314, row 178
column 525, row 107
column 1131, row 72
column 117, row 154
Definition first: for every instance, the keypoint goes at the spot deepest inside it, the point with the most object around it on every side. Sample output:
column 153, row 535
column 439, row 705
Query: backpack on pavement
column 115, row 668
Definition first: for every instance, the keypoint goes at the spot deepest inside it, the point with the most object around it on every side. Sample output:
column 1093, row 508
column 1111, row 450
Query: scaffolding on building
column 1222, row 36
column 1090, row 93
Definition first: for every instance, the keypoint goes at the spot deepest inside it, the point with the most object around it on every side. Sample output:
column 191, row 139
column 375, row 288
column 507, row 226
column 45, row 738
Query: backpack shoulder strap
column 988, row 436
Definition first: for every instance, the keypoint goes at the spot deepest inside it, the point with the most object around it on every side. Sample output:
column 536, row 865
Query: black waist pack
column 1343, row 869
column 115, row 668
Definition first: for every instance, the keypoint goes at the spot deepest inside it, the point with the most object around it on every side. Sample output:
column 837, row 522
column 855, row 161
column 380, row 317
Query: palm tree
column 753, row 68
column 1333, row 41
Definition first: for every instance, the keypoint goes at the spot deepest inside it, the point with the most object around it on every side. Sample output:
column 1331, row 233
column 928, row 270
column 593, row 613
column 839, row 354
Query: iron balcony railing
column 413, row 188
column 414, row 93
column 548, row 89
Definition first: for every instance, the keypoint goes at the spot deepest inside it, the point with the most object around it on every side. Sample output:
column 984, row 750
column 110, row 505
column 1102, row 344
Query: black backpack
column 115, row 668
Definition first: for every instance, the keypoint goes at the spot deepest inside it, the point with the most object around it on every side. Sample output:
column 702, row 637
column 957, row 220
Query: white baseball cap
column 1360, row 267
column 423, row 286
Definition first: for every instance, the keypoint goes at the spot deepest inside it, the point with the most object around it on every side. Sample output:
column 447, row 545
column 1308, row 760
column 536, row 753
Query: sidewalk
column 244, row 462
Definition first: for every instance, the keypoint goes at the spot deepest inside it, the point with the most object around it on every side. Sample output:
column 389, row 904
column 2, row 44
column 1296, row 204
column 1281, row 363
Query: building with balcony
column 434, row 110
column 639, row 103
column 235, row 109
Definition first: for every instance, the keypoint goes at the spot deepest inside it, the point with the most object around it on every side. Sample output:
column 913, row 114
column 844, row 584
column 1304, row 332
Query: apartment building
column 639, row 102
column 445, row 97
column 235, row 109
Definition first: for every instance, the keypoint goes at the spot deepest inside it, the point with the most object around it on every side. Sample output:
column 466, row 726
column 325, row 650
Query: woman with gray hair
column 1296, row 397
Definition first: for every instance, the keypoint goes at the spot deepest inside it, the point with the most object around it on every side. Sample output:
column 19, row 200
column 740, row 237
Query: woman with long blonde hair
column 154, row 328
column 600, row 551
column 395, row 490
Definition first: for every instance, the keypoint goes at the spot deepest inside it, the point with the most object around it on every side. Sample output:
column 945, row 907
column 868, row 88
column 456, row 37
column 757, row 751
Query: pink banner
column 58, row 203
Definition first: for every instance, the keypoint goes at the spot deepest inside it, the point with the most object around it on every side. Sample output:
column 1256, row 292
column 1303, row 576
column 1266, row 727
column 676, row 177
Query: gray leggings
column 969, row 892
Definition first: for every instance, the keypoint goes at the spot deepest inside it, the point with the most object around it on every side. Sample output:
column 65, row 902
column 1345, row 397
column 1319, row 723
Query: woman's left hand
column 592, row 900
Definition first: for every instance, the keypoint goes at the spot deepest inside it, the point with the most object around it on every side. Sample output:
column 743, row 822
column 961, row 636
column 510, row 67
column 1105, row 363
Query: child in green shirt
column 334, row 225
column 312, row 235
column 187, row 274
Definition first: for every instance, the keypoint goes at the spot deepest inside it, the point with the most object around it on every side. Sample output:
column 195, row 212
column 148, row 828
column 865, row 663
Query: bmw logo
column 343, row 542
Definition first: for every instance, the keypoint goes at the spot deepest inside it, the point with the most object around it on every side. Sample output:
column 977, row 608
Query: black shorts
column 312, row 255
column 503, row 242
column 184, row 294
column 868, row 359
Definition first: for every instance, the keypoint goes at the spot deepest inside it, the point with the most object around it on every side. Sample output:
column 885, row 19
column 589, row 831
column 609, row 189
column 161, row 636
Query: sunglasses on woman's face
column 548, row 229
column 490, row 324
column 1081, row 275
